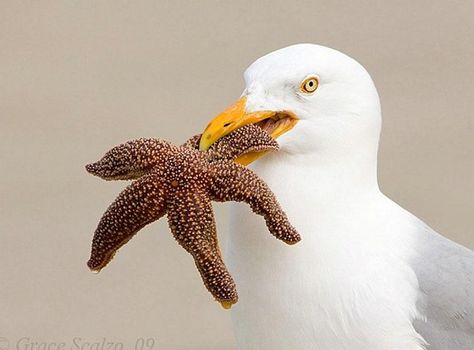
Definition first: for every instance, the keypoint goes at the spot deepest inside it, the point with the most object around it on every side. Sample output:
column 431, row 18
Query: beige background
column 78, row 77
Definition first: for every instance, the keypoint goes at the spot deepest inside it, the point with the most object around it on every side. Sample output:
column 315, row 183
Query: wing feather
column 445, row 273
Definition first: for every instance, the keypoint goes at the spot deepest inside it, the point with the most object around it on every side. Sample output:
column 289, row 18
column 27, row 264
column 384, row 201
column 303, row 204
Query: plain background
column 77, row 77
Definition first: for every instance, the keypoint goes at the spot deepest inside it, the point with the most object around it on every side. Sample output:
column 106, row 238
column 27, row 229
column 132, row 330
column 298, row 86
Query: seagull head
column 316, row 100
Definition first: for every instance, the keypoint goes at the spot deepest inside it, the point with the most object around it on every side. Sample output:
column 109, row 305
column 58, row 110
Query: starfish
column 181, row 182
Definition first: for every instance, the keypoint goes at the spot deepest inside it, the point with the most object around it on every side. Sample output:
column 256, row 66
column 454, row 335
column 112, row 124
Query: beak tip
column 203, row 145
column 206, row 141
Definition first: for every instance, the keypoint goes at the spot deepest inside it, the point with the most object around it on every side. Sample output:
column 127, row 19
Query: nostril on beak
column 227, row 124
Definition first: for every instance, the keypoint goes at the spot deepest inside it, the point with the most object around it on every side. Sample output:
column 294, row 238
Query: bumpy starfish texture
column 181, row 182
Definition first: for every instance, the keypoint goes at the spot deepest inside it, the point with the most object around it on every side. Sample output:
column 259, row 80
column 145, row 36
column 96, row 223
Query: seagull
column 367, row 274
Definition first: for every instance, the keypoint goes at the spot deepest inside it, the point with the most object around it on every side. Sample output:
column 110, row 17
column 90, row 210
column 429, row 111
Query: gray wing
column 445, row 273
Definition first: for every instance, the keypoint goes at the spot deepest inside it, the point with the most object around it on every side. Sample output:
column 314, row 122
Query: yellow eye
column 309, row 85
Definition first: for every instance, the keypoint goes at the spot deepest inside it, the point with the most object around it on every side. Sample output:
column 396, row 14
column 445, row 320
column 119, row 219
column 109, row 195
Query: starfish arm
column 141, row 203
column 132, row 159
column 191, row 221
column 193, row 142
column 234, row 182
column 249, row 138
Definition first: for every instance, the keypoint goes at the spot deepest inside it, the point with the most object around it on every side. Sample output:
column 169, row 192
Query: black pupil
column 311, row 83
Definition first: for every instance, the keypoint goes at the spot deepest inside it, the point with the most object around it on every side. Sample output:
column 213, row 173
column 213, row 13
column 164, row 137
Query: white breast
column 346, row 285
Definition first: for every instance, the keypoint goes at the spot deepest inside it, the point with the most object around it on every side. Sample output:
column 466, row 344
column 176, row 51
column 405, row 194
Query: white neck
column 332, row 177
column 351, row 254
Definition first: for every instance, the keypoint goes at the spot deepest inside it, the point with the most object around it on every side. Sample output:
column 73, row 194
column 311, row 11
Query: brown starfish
column 181, row 181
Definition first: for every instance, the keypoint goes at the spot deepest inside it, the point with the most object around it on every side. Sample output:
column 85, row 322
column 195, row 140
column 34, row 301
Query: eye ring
column 309, row 85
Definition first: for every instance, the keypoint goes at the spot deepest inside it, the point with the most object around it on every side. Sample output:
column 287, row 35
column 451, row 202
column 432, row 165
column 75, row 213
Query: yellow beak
column 235, row 117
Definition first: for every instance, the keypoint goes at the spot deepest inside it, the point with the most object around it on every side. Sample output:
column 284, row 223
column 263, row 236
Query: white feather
column 352, row 282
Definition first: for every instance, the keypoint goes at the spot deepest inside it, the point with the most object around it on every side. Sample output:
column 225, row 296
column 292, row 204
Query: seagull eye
column 309, row 85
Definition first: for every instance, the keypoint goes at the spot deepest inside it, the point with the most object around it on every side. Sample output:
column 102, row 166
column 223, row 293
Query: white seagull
column 367, row 275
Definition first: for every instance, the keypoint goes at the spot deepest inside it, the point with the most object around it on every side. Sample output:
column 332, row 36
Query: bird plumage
column 445, row 272
column 367, row 274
